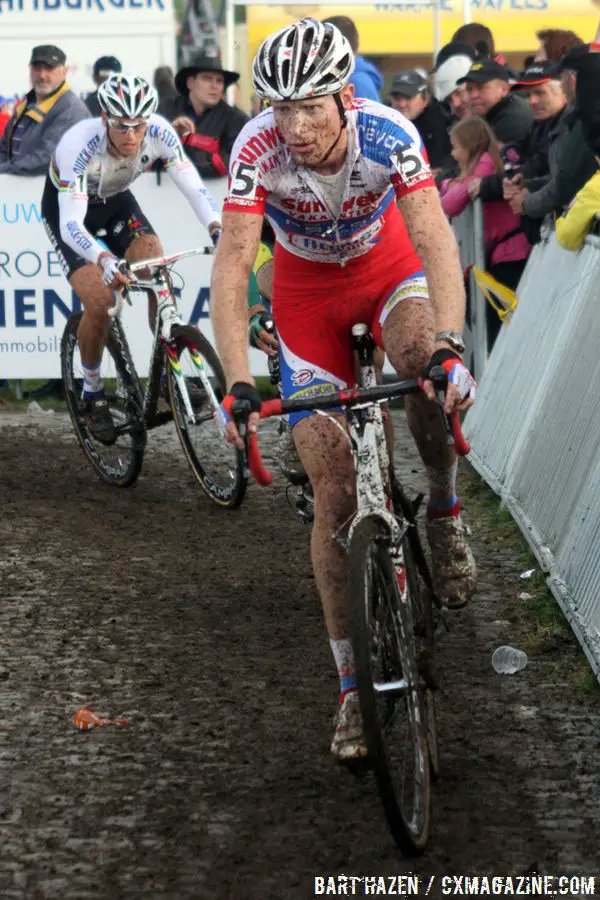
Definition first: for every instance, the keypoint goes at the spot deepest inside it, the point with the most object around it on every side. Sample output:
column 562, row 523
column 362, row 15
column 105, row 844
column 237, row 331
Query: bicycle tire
column 423, row 599
column 125, row 470
column 381, row 621
column 230, row 493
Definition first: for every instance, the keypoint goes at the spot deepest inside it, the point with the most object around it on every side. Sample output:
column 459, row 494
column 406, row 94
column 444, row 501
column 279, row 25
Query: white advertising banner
column 35, row 297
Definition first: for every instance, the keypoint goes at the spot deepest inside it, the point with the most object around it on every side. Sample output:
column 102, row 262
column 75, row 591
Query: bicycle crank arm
column 159, row 418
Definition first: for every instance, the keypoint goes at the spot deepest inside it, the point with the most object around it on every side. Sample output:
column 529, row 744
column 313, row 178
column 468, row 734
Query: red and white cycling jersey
column 387, row 160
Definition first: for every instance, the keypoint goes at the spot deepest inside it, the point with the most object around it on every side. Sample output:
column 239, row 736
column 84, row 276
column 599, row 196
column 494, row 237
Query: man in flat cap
column 208, row 125
column 42, row 117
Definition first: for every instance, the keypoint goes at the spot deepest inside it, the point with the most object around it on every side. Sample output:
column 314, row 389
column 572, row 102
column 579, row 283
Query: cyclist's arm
column 431, row 235
column 68, row 175
column 72, row 208
column 185, row 175
column 263, row 270
column 436, row 246
column 235, row 257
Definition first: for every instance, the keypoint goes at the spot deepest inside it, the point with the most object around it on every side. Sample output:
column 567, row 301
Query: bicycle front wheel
column 391, row 692
column 197, row 371
column 119, row 463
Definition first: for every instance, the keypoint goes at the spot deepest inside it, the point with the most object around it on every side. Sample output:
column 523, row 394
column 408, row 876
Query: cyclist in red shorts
column 360, row 237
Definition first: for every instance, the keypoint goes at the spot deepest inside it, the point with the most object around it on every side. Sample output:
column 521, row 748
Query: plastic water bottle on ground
column 508, row 660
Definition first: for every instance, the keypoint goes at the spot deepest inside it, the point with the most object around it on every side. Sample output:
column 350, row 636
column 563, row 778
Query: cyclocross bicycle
column 184, row 370
column 393, row 605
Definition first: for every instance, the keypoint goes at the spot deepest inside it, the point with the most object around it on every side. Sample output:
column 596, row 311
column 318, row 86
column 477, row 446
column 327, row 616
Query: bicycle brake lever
column 240, row 411
column 440, row 382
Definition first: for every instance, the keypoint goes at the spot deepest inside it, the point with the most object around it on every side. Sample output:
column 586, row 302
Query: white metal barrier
column 535, row 429
column 468, row 228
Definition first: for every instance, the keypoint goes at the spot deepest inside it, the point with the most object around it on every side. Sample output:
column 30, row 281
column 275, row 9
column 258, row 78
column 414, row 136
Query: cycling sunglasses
column 123, row 126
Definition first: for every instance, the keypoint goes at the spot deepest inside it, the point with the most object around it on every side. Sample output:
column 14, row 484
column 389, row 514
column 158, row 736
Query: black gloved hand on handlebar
column 456, row 372
column 245, row 392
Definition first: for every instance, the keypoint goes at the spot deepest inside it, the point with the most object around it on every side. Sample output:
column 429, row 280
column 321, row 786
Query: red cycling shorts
column 315, row 306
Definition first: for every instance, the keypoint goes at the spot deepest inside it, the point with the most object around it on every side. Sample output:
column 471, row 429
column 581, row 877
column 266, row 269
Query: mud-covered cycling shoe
column 349, row 744
column 287, row 458
column 453, row 565
column 99, row 421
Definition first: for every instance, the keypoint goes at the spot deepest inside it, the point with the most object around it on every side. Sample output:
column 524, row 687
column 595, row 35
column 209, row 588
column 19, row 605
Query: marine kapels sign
column 36, row 299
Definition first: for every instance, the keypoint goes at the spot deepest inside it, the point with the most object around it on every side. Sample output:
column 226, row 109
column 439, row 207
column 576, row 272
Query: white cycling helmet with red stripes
column 127, row 97
column 302, row 60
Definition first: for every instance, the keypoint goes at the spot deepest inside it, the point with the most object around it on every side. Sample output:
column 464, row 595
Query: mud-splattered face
column 310, row 127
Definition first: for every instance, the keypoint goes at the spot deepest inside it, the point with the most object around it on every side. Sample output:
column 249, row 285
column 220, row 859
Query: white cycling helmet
column 302, row 60
column 127, row 97
column 450, row 71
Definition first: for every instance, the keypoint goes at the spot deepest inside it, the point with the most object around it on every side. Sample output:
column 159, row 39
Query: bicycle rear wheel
column 391, row 691
column 218, row 466
column 120, row 463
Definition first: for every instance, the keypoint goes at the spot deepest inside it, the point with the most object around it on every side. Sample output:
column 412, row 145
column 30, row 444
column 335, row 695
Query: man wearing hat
column 571, row 161
column 508, row 114
column 207, row 124
column 103, row 68
column 42, row 117
column 544, row 91
column 410, row 95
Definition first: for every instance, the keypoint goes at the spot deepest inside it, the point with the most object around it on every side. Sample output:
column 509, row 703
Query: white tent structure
column 434, row 5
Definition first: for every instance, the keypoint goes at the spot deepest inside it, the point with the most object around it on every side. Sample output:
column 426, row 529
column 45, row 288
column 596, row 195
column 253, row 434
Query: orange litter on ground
column 85, row 720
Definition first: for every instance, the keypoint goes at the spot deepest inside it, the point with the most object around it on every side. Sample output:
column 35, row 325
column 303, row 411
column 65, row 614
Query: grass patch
column 538, row 625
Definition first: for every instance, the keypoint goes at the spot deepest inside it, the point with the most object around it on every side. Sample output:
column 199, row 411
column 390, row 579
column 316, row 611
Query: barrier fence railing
column 535, row 429
column 468, row 228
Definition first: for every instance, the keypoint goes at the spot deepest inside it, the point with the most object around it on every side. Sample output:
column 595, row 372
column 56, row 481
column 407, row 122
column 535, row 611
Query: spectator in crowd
column 572, row 228
column 207, row 124
column 42, row 117
column 164, row 83
column 509, row 115
column 478, row 37
column 5, row 115
column 532, row 192
column 554, row 43
column 453, row 63
column 481, row 40
column 410, row 95
column 103, row 68
column 366, row 78
column 477, row 155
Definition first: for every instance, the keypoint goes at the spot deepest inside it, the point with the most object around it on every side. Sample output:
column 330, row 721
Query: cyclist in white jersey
column 360, row 237
column 87, row 193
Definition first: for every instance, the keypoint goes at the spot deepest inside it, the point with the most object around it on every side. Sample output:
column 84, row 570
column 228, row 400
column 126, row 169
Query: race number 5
column 409, row 162
column 244, row 180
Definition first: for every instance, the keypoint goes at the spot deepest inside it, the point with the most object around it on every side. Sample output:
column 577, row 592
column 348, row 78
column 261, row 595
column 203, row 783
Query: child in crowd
column 477, row 153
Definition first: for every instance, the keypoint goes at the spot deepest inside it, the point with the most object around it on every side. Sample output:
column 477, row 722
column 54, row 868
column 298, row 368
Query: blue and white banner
column 36, row 300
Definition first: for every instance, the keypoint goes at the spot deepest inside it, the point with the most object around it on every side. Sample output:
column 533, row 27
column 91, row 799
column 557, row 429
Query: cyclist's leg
column 96, row 299
column 407, row 332
column 129, row 234
column 311, row 369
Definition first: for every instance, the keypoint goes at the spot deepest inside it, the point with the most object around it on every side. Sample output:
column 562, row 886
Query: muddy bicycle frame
column 168, row 319
column 365, row 433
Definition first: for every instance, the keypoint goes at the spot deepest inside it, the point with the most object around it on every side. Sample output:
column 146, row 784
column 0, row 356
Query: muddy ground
column 202, row 628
